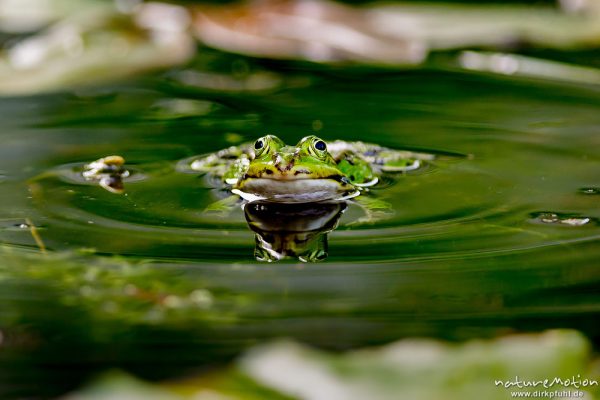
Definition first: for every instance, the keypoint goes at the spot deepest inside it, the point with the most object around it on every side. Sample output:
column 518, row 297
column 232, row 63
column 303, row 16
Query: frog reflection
column 292, row 229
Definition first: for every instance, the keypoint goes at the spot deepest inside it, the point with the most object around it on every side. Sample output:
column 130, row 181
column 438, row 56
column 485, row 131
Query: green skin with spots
column 356, row 169
column 275, row 160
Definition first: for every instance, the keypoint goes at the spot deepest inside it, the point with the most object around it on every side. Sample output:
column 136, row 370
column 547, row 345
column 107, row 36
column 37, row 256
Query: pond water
column 499, row 234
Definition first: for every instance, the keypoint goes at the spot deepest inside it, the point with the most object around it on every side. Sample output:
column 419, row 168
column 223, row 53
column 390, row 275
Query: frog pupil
column 320, row 145
column 258, row 145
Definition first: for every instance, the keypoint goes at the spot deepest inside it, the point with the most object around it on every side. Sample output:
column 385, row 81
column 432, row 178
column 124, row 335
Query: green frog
column 309, row 172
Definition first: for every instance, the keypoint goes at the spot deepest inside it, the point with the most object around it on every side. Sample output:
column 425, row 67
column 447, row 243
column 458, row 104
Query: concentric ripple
column 447, row 208
column 496, row 168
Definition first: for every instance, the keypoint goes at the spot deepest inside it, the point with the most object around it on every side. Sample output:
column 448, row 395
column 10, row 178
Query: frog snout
column 284, row 164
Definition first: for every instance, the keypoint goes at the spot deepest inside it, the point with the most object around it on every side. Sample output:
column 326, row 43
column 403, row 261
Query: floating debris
column 109, row 172
column 575, row 221
column 35, row 234
column 110, row 164
column 113, row 184
column 560, row 219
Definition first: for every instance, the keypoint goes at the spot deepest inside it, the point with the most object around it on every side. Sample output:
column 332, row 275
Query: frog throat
column 295, row 191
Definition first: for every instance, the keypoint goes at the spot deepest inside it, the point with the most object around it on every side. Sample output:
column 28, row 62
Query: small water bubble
column 22, row 226
column 589, row 190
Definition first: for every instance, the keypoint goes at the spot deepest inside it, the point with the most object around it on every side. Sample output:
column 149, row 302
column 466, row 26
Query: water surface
column 502, row 238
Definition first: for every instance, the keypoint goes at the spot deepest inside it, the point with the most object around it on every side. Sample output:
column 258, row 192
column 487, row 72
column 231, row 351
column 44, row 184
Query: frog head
column 293, row 174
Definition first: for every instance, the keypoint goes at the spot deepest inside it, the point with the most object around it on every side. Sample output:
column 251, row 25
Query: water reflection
column 292, row 229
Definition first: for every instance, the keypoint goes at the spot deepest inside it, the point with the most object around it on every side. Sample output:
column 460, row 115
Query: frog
column 310, row 171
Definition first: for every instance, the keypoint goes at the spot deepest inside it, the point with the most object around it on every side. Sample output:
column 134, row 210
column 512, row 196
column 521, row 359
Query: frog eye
column 318, row 147
column 267, row 144
column 261, row 146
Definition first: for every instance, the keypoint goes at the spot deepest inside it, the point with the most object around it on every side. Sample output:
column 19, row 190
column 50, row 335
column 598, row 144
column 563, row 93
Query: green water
column 502, row 238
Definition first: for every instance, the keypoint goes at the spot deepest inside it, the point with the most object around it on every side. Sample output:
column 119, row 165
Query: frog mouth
column 298, row 174
column 296, row 190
